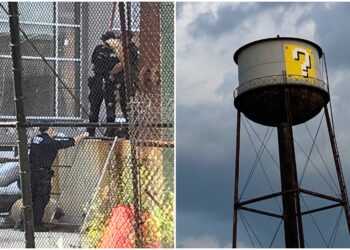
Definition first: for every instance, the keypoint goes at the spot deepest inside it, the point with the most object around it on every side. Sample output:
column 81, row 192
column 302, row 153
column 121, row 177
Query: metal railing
column 274, row 80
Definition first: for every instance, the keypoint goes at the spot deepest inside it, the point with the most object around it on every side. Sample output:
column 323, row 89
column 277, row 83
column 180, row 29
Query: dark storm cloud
column 228, row 17
column 199, row 225
column 204, row 26
column 334, row 40
column 205, row 153
column 210, row 189
column 225, row 90
column 205, row 146
column 204, row 180
column 332, row 34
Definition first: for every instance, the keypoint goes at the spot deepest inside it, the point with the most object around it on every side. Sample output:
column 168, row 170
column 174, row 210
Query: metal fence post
column 21, row 130
column 128, row 87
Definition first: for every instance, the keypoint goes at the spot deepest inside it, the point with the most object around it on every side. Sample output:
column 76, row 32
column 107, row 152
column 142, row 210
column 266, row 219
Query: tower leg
column 293, row 228
column 236, row 203
column 338, row 167
column 290, row 197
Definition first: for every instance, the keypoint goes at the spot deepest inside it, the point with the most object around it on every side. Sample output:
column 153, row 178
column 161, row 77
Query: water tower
column 280, row 85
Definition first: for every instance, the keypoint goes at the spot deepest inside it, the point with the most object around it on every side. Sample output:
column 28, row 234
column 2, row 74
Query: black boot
column 91, row 131
column 110, row 132
column 41, row 228
column 19, row 226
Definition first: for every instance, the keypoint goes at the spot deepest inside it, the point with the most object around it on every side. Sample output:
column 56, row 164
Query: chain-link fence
column 98, row 84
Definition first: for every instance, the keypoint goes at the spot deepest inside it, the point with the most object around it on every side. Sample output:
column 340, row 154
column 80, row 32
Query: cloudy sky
column 207, row 35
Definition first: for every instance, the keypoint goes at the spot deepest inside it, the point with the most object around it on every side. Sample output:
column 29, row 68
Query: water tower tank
column 266, row 68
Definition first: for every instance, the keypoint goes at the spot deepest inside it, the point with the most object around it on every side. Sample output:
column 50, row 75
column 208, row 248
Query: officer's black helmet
column 108, row 35
column 44, row 128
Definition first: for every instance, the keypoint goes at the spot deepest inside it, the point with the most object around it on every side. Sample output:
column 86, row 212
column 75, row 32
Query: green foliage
column 166, row 218
column 95, row 229
column 161, row 221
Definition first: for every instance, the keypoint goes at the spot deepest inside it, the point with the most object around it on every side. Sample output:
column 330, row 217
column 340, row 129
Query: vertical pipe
column 128, row 11
column 293, row 229
column 125, row 40
column 338, row 167
column 77, row 66
column 135, row 170
column 289, row 196
column 111, row 19
column 55, row 34
column 85, row 56
column 236, row 203
column 295, row 176
column 21, row 130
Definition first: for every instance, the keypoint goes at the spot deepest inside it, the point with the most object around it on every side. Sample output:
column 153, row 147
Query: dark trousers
column 41, row 189
column 101, row 88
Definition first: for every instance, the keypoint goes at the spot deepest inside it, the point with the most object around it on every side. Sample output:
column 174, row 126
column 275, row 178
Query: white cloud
column 203, row 61
column 329, row 5
column 191, row 11
column 206, row 241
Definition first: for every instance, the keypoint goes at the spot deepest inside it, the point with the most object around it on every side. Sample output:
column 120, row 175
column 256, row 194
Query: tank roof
column 236, row 54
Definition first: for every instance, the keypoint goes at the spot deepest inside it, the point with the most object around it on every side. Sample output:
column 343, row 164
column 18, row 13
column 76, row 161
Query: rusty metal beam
column 341, row 180
column 21, row 129
column 321, row 209
column 323, row 196
column 261, row 212
column 236, row 201
column 293, row 229
column 265, row 197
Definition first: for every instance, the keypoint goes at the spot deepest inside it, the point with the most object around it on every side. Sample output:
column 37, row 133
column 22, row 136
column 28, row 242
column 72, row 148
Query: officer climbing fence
column 98, row 97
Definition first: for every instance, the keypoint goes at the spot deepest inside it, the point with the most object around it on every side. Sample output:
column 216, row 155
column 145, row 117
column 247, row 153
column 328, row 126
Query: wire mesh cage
column 98, row 97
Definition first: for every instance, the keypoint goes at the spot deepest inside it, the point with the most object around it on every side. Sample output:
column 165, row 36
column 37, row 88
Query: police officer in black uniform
column 104, row 59
column 43, row 151
column 134, row 78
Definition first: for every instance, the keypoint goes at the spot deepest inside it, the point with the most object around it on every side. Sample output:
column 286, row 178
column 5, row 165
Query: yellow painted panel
column 299, row 60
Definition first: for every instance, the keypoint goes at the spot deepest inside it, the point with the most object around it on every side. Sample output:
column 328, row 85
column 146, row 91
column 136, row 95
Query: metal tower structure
column 280, row 85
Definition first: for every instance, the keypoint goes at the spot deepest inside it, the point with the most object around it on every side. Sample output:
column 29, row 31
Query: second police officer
column 43, row 150
column 105, row 61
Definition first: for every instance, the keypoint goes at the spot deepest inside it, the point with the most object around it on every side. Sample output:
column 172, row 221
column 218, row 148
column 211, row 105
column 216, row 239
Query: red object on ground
column 120, row 231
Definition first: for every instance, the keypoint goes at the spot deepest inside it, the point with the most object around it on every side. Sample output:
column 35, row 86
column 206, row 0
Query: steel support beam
column 236, row 201
column 135, row 168
column 321, row 209
column 293, row 229
column 323, row 196
column 341, row 180
column 261, row 212
column 265, row 197
column 21, row 129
